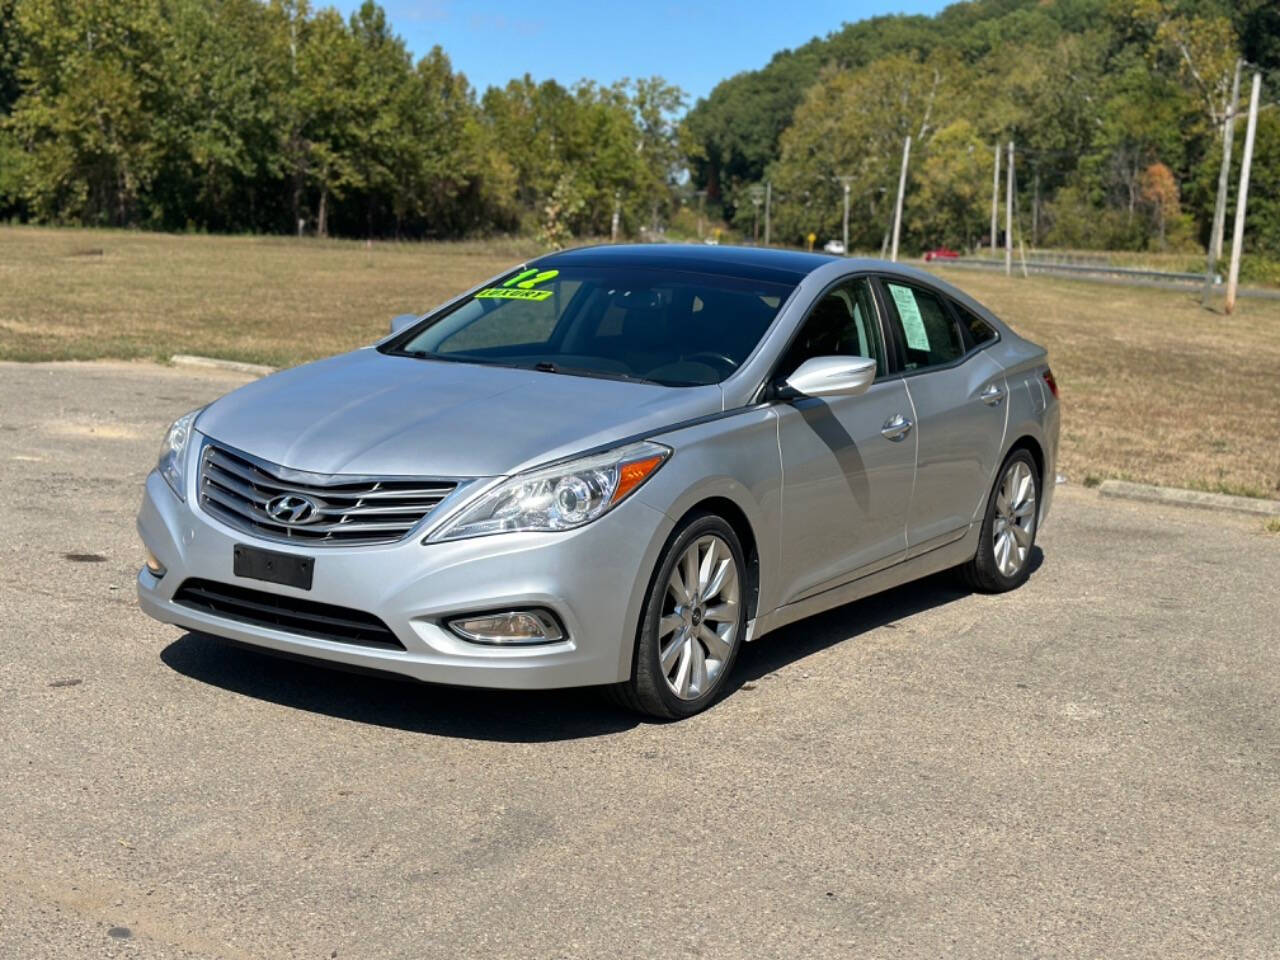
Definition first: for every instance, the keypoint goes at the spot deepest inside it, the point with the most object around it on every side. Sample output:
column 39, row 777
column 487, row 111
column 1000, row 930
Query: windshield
column 678, row 329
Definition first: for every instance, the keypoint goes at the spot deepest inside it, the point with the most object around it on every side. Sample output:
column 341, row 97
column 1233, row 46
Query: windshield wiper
column 542, row 366
column 428, row 355
column 546, row 366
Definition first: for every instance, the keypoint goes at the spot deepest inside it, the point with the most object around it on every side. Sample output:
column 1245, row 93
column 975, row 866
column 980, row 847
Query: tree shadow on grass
column 517, row 716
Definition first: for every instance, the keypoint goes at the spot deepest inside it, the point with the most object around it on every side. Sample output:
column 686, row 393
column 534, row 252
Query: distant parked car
column 834, row 246
column 614, row 466
column 941, row 253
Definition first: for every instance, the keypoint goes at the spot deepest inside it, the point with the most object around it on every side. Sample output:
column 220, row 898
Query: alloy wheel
column 1014, row 524
column 699, row 622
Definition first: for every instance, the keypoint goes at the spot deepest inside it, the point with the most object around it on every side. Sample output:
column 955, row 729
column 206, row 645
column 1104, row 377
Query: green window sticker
column 531, row 278
column 904, row 299
column 505, row 293
column 520, row 287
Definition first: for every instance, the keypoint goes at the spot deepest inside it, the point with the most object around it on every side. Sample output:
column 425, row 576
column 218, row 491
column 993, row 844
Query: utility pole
column 995, row 203
column 1008, row 216
column 844, row 234
column 757, row 199
column 1214, row 252
column 768, row 209
column 1228, row 135
column 617, row 216
column 1035, row 209
column 844, row 182
column 902, row 186
column 702, row 201
column 1242, row 197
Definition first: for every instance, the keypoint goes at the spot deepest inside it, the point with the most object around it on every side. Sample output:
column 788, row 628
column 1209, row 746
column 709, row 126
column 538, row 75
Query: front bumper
column 593, row 578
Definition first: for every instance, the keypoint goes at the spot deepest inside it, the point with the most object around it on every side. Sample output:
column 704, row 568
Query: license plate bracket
column 287, row 569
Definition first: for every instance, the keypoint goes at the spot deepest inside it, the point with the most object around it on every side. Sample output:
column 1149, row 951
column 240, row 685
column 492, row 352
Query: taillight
column 1050, row 382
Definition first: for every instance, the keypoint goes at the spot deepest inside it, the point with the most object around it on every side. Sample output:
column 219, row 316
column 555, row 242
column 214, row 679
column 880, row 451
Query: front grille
column 347, row 509
column 290, row 614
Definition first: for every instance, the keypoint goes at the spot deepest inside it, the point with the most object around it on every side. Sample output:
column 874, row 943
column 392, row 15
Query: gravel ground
column 1088, row 767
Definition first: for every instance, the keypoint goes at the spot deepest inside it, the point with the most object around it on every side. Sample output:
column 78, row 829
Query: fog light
column 511, row 627
column 154, row 566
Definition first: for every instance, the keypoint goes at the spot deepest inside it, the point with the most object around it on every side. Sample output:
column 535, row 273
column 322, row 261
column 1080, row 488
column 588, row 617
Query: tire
column 996, row 568
column 667, row 693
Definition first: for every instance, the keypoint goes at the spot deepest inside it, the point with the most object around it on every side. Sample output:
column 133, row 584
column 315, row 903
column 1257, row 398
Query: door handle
column 992, row 395
column 896, row 428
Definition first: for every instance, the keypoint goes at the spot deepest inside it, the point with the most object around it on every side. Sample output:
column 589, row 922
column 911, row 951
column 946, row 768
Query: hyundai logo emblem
column 291, row 508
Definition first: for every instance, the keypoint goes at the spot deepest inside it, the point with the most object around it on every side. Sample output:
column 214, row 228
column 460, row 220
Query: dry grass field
column 86, row 294
column 1154, row 387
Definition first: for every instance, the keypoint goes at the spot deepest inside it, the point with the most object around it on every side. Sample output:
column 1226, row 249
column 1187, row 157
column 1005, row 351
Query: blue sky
column 694, row 45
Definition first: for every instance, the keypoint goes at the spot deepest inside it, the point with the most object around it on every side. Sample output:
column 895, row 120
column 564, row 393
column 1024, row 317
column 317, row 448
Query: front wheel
column 1002, row 561
column 693, row 624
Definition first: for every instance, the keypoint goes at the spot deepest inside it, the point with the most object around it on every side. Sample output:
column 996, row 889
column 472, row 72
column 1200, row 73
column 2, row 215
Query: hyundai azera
column 609, row 466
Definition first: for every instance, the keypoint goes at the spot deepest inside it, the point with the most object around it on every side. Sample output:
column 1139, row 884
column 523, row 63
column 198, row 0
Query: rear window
column 980, row 331
column 678, row 329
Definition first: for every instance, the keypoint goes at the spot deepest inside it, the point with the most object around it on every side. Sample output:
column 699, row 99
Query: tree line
column 272, row 116
column 240, row 115
column 1116, row 108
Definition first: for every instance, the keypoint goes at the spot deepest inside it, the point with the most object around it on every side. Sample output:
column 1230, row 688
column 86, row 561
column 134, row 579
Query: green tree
column 227, row 75
column 1262, row 225
column 9, row 50
column 448, row 172
column 91, row 111
column 853, row 124
column 951, row 188
column 655, row 105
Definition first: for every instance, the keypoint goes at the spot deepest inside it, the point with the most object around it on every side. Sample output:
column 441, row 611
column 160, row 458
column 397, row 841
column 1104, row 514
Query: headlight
column 559, row 497
column 173, row 453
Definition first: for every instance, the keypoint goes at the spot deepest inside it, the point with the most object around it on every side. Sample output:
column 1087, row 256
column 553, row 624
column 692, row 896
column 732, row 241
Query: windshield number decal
column 520, row 287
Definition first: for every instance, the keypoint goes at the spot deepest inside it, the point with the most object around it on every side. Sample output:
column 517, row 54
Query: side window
column 980, row 331
column 841, row 324
column 929, row 335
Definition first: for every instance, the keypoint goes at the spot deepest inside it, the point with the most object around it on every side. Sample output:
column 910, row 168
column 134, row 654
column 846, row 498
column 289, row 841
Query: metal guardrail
column 1042, row 266
column 1129, row 276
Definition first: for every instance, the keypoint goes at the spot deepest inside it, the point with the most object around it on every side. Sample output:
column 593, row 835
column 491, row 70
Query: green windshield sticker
column 505, row 293
column 520, row 287
column 912, row 322
column 531, row 278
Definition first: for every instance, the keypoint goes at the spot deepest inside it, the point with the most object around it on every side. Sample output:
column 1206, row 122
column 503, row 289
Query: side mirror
column 404, row 320
column 830, row 377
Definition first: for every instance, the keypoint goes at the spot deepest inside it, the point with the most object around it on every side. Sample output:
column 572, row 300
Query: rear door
column 847, row 462
column 958, row 394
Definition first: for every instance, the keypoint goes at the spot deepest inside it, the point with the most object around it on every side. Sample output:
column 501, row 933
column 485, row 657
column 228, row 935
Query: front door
column 847, row 463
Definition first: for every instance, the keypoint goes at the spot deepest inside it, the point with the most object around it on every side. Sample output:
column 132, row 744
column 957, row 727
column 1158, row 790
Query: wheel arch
column 1029, row 443
column 736, row 517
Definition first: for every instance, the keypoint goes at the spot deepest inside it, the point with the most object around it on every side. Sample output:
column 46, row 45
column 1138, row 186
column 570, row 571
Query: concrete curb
column 1124, row 490
column 212, row 363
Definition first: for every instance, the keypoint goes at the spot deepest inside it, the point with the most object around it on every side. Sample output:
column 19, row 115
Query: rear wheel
column 1002, row 561
column 693, row 624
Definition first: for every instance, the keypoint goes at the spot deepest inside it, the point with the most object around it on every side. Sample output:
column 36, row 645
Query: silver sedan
column 610, row 466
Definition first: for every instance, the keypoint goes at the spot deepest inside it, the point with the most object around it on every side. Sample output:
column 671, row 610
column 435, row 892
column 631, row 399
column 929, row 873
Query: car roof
column 757, row 263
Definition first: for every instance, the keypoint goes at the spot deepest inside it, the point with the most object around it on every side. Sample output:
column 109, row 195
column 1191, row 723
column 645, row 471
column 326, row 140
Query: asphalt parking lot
column 1087, row 767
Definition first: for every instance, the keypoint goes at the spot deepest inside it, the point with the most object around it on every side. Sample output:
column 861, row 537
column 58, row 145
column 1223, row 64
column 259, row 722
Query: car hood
column 371, row 413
